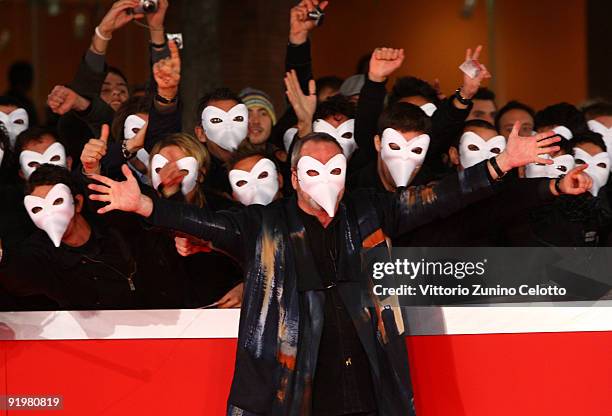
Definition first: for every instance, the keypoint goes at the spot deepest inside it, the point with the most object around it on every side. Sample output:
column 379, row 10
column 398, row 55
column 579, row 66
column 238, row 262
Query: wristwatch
column 459, row 97
column 165, row 100
column 497, row 169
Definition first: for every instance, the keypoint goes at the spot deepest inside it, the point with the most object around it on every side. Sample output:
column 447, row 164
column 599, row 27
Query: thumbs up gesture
column 94, row 151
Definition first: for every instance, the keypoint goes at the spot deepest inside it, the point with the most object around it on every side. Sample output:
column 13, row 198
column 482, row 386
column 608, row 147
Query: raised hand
column 121, row 196
column 94, row 151
column 300, row 24
column 171, row 177
column 156, row 20
column 167, row 73
column 520, row 151
column 384, row 62
column 62, row 100
column 303, row 105
column 471, row 85
column 576, row 182
column 232, row 299
column 118, row 16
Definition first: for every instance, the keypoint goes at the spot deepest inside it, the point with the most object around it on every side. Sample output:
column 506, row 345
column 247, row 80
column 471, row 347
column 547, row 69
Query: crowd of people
column 116, row 206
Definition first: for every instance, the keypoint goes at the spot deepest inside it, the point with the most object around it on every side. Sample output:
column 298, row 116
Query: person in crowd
column 484, row 107
column 20, row 80
column 38, row 146
column 351, row 87
column 328, row 87
column 511, row 113
column 14, row 118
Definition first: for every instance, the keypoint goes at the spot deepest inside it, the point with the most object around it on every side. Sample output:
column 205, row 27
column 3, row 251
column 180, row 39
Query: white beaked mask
column 429, row 109
column 53, row 213
column 189, row 164
column 226, row 129
column 323, row 186
column 403, row 157
column 563, row 132
column 344, row 134
column 562, row 165
column 473, row 149
column 598, row 170
column 259, row 186
column 133, row 124
column 288, row 137
column 15, row 123
column 30, row 160
column 605, row 132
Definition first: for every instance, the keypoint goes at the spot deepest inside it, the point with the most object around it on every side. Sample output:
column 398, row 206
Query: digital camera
column 146, row 7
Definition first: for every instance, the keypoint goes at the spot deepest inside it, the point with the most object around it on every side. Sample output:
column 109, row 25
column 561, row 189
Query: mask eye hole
column 184, row 171
column 336, row 171
column 216, row 120
column 312, row 172
column 240, row 184
column 55, row 158
column 562, row 168
column 580, row 162
column 496, row 150
column 602, row 165
column 58, row 201
column 19, row 121
column 157, row 170
column 394, row 146
column 263, row 175
column 239, row 118
column 135, row 130
column 417, row 150
column 34, row 165
column 36, row 210
column 347, row 135
column 473, row 148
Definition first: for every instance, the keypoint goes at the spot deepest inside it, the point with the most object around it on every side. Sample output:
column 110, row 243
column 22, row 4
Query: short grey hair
column 296, row 153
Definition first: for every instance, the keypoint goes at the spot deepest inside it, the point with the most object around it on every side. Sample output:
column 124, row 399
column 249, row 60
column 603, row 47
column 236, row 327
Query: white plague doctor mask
column 53, row 213
column 322, row 182
column 473, row 149
column 561, row 166
column 30, row 160
column 403, row 157
column 188, row 164
column 226, row 129
column 429, row 109
column 133, row 124
column 344, row 134
column 598, row 170
column 259, row 186
column 605, row 132
column 15, row 123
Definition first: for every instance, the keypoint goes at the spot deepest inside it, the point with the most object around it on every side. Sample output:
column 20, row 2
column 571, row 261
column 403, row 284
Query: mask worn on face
column 53, row 213
column 190, row 164
column 563, row 132
column 226, row 129
column 429, row 109
column 403, row 157
column 598, row 170
column 259, row 186
column 288, row 137
column 323, row 187
column 131, row 127
column 30, row 160
column 344, row 134
column 606, row 133
column 15, row 123
column 561, row 166
column 473, row 149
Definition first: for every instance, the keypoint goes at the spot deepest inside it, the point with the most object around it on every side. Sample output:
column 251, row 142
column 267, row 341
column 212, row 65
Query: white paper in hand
column 471, row 68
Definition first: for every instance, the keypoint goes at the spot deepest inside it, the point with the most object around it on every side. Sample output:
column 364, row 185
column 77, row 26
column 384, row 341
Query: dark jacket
column 280, row 328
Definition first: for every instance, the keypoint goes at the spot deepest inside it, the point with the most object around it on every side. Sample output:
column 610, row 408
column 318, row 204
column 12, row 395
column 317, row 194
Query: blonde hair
column 191, row 147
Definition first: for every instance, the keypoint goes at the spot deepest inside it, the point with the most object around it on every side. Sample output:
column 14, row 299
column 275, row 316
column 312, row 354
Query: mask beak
column 327, row 198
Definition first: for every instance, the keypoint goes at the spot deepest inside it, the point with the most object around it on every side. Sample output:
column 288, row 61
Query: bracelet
column 157, row 45
column 99, row 34
column 165, row 100
column 459, row 97
column 496, row 168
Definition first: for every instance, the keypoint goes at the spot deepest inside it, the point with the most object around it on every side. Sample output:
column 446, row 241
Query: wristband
column 164, row 100
column 100, row 35
column 496, row 168
column 158, row 45
column 459, row 97
column 558, row 185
